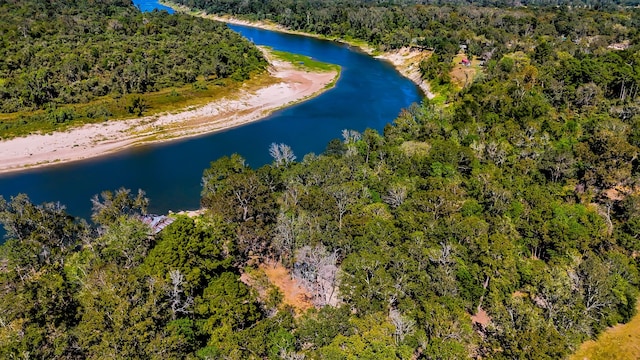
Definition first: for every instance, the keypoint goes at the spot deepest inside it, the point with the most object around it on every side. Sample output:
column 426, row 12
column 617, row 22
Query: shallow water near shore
column 369, row 94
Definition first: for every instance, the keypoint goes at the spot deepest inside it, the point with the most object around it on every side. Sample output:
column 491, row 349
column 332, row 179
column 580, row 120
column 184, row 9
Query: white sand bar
column 99, row 139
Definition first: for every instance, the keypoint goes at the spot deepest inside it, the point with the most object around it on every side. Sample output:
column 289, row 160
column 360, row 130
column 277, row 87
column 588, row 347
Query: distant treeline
column 74, row 51
column 392, row 25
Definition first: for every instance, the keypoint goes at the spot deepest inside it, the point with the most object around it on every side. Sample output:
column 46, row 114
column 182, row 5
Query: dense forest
column 398, row 238
column 503, row 223
column 55, row 53
column 443, row 28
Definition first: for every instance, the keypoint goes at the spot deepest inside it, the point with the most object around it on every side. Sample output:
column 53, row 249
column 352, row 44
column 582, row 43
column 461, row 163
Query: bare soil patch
column 294, row 294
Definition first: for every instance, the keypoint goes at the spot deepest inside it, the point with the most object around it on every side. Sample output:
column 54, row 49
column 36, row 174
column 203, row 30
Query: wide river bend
column 369, row 94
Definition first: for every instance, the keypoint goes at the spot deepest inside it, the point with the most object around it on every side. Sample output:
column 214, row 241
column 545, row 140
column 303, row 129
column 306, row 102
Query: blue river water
column 369, row 94
column 150, row 5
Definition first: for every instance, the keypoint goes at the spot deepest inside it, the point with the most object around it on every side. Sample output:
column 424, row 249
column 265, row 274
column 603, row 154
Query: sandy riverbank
column 405, row 60
column 99, row 139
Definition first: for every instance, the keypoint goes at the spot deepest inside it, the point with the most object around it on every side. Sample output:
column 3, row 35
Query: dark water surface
column 370, row 93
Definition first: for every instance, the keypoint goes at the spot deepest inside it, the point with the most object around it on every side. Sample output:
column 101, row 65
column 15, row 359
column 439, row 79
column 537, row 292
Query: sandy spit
column 99, row 139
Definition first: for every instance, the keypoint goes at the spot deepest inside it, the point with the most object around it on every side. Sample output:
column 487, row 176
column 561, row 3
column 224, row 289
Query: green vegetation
column 411, row 232
column 308, row 64
column 305, row 62
column 502, row 223
column 74, row 61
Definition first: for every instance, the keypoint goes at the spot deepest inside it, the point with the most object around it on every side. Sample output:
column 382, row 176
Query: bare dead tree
column 344, row 196
column 316, row 269
column 282, row 154
column 395, row 196
column 404, row 325
column 290, row 355
column 445, row 269
column 350, row 138
column 284, row 237
column 292, row 194
column 496, row 153
column 179, row 303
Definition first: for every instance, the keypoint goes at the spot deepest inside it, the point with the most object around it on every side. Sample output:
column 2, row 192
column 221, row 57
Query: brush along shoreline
column 294, row 85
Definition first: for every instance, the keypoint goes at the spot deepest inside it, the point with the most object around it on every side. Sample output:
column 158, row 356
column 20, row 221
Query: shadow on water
column 369, row 94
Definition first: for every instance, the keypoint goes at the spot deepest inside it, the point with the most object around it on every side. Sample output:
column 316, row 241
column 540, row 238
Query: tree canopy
column 501, row 222
column 56, row 54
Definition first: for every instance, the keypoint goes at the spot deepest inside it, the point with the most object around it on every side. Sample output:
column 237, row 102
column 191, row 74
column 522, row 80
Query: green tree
column 109, row 206
column 200, row 251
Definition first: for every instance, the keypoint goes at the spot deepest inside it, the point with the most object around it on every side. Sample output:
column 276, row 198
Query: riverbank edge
column 130, row 134
column 405, row 65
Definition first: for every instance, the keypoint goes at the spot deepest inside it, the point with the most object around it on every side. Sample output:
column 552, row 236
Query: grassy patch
column 372, row 50
column 462, row 75
column 304, row 62
column 620, row 342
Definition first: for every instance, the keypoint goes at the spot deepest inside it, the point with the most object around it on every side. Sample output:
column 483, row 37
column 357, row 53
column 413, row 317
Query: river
column 369, row 94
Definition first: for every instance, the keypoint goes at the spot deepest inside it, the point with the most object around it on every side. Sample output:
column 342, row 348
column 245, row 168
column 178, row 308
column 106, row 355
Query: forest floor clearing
column 273, row 274
column 462, row 75
column 294, row 294
column 285, row 85
column 620, row 342
column 406, row 60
